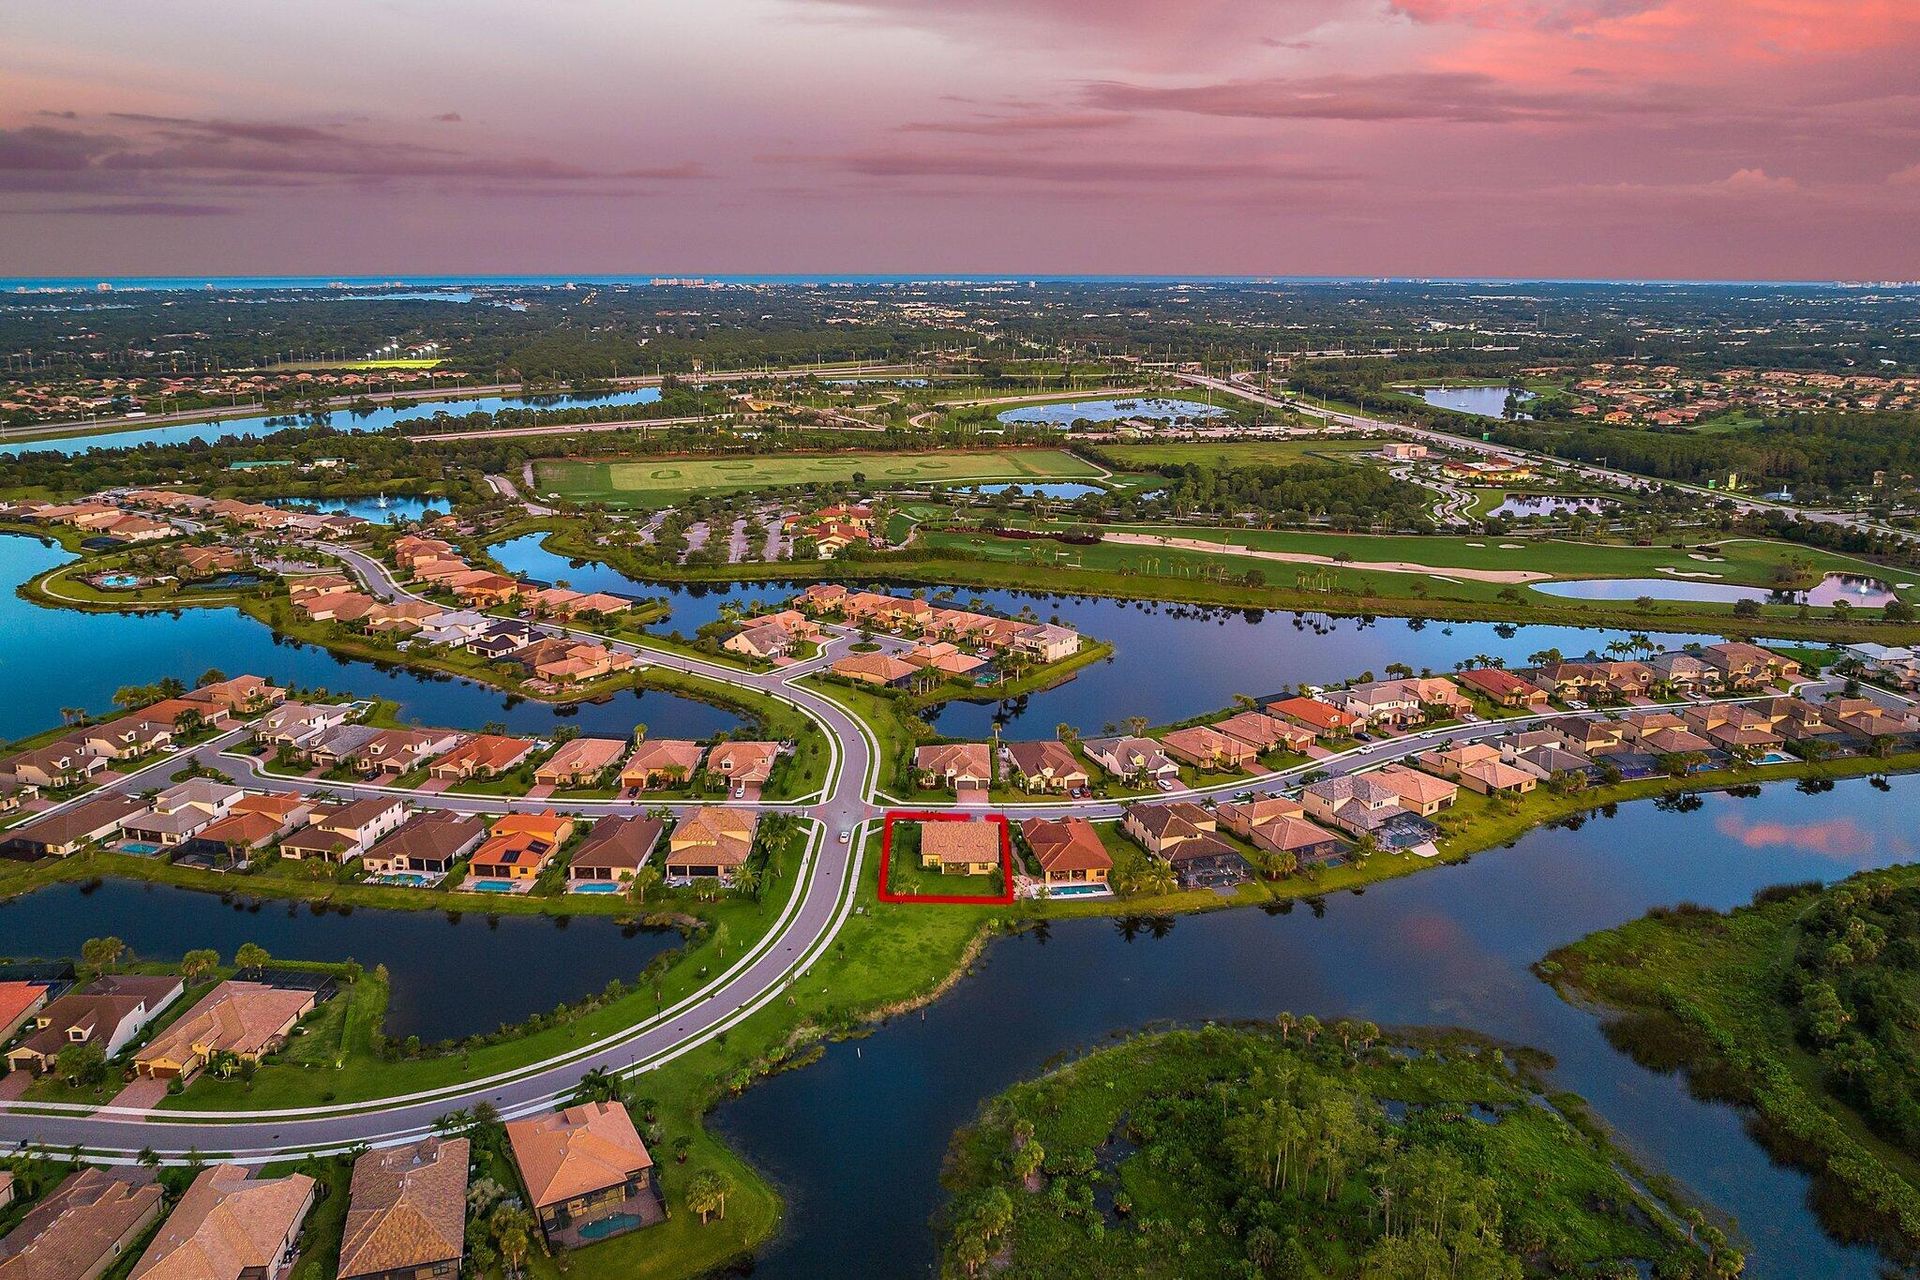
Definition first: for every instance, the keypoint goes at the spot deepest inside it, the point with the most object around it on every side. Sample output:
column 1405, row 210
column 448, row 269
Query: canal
column 856, row 1140
column 530, row 963
column 378, row 419
column 55, row 658
column 1170, row 661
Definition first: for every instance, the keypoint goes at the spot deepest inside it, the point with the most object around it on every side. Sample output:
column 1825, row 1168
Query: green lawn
column 650, row 482
column 1225, row 455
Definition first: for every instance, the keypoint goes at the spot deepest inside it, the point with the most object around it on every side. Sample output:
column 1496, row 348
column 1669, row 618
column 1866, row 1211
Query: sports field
column 660, row 482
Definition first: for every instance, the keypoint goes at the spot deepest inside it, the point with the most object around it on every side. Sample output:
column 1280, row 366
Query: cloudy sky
column 1603, row 138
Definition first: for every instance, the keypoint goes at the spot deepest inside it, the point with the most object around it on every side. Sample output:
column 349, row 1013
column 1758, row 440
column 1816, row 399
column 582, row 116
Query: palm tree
column 707, row 1194
column 644, row 877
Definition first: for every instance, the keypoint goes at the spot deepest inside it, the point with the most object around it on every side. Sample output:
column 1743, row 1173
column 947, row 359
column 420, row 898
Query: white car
column 845, row 836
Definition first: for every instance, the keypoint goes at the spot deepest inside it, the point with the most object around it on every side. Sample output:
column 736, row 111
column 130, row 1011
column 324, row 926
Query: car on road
column 740, row 792
column 845, row 836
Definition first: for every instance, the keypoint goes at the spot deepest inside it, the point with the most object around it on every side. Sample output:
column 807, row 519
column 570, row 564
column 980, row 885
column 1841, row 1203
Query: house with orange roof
column 485, row 755
column 1323, row 719
column 1068, row 850
column 585, row 1167
column 711, row 842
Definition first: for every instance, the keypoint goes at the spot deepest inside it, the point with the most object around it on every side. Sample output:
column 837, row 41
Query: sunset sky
column 1587, row 138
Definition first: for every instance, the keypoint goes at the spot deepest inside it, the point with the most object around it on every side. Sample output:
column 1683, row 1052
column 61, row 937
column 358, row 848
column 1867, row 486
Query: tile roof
column 408, row 1208
column 226, row 1225
column 575, row 1151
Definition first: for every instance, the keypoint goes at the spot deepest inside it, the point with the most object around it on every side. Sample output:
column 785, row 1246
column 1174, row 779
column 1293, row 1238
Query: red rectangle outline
column 1004, row 898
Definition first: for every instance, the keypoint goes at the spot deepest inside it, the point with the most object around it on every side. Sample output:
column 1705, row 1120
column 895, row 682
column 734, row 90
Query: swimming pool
column 492, row 886
column 141, row 848
column 597, row 886
column 119, row 581
column 611, row 1225
column 1077, row 891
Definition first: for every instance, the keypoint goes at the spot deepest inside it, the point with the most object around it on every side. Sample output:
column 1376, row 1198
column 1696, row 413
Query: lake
column 341, row 419
column 1065, row 415
column 531, row 963
column 855, row 1141
column 1860, row 592
column 1481, row 402
column 1170, row 661
column 54, row 658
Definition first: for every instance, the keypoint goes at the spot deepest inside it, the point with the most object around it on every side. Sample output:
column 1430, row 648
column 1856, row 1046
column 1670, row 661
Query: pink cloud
column 1842, row 839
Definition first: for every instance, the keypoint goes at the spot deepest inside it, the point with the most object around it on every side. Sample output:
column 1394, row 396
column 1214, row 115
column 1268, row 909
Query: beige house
column 230, row 1225
column 245, row 1019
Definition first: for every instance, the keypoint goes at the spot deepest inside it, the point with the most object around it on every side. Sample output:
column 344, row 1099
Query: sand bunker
column 1301, row 557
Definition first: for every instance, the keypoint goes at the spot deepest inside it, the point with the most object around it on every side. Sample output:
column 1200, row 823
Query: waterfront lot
column 651, row 482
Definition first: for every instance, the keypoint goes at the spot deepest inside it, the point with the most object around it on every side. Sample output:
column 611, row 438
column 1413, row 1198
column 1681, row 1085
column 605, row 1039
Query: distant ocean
column 351, row 284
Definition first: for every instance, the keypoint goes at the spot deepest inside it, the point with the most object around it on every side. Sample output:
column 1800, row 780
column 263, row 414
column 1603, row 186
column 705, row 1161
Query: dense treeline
column 1853, row 984
column 1332, row 493
column 1815, row 454
column 1303, row 1152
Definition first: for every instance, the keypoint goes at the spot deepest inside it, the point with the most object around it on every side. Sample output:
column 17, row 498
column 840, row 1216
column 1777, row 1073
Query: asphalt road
column 838, row 816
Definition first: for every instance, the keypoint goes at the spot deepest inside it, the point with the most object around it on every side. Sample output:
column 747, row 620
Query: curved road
column 838, row 816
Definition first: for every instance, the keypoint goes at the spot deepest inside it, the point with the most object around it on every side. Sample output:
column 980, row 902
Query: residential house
column 711, row 841
column 941, row 656
column 1503, row 688
column 1186, row 836
column 343, row 744
column 1322, row 719
column 84, row 1226
column 1157, row 828
column 230, row 1225
column 407, row 1212
column 1265, row 733
column 484, row 755
column 1362, row 805
column 1419, row 792
column 502, row 640
column 765, row 641
column 58, row 765
column 1733, row 726
column 880, row 669
column 343, row 833
column 1046, row 765
column 1748, row 666
column 18, row 1002
column 182, row 812
column 962, row 848
column 520, row 847
column 242, row 695
column 128, row 738
column 1478, row 766
column 426, row 844
column 1068, row 850
column 581, row 763
column 745, row 766
column 1207, row 749
column 299, row 725
column 965, row 768
column 1134, row 761
column 108, row 1012
column 66, row 831
column 400, row 751
column 661, row 762
column 1686, row 672
column 585, row 1165
column 614, row 849
column 253, row 823
column 1047, row 642
column 242, row 1020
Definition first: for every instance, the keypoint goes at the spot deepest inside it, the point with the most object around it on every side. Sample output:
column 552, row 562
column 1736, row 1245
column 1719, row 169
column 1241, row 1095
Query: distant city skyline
column 1593, row 139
